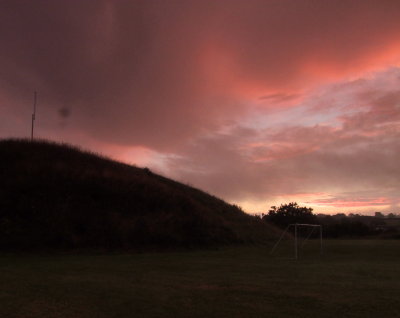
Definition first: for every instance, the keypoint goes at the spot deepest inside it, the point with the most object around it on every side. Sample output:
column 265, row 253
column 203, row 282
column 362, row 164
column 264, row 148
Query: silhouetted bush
column 289, row 214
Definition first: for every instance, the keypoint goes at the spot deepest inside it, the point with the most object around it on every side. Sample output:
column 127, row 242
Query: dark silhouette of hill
column 57, row 196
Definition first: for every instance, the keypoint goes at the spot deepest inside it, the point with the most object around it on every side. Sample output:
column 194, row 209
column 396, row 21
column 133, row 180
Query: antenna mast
column 34, row 114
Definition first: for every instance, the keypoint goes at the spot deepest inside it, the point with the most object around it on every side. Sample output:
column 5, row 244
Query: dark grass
column 358, row 278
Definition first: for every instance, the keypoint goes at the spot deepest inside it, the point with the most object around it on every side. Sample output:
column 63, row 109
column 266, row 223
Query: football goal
column 296, row 227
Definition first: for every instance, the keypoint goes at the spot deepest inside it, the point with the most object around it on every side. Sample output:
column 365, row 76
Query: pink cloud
column 286, row 161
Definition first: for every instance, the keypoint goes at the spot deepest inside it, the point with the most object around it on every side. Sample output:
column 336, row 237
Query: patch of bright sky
column 324, row 105
column 145, row 157
column 315, row 110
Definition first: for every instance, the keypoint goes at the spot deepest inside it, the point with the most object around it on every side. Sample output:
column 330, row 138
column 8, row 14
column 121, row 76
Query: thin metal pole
column 295, row 242
column 34, row 114
column 276, row 244
column 320, row 238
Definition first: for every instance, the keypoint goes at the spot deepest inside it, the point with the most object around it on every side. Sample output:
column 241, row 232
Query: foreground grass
column 352, row 279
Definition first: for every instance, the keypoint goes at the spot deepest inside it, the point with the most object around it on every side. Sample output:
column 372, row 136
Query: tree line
column 335, row 226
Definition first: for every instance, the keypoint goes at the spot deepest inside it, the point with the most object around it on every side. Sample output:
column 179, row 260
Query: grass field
column 358, row 278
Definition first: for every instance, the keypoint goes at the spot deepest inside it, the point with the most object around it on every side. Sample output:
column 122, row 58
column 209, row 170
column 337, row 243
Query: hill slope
column 58, row 196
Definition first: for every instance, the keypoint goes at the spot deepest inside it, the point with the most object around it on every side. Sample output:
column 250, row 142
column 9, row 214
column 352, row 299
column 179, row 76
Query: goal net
column 301, row 234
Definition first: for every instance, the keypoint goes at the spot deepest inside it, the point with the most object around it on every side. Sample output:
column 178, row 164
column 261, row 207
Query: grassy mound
column 57, row 196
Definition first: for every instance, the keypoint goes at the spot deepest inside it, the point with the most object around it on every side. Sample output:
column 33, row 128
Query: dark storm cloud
column 126, row 66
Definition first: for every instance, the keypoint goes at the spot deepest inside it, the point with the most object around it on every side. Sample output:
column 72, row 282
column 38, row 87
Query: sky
column 257, row 102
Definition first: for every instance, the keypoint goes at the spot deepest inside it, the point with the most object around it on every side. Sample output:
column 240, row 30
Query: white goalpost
column 296, row 227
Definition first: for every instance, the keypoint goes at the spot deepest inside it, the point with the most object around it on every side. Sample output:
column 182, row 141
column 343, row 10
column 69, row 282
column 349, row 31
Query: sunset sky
column 257, row 102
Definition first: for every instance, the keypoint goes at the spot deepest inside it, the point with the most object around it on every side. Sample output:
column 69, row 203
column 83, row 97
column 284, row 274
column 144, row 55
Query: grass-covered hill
column 57, row 196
